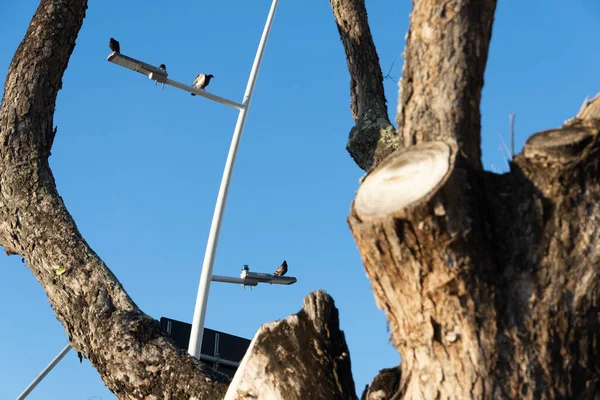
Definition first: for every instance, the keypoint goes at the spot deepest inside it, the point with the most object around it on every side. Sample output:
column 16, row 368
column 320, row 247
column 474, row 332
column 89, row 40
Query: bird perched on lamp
column 162, row 67
column 114, row 45
column 201, row 81
column 282, row 269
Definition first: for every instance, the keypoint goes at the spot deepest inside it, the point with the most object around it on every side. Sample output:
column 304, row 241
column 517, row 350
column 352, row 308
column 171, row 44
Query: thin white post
column 43, row 374
column 215, row 228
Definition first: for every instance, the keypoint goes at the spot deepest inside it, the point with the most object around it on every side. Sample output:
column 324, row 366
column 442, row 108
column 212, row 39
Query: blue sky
column 139, row 167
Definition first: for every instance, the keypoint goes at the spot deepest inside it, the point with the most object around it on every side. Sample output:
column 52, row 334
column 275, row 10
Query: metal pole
column 43, row 374
column 215, row 228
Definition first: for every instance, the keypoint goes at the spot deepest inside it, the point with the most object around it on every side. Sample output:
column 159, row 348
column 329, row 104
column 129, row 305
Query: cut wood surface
column 403, row 179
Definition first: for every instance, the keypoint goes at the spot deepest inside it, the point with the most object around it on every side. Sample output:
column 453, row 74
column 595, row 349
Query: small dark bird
column 114, row 45
column 162, row 67
column 282, row 269
column 201, row 81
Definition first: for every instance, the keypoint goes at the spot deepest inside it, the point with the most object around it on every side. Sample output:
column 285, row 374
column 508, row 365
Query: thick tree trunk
column 425, row 249
column 489, row 282
column 304, row 356
column 373, row 137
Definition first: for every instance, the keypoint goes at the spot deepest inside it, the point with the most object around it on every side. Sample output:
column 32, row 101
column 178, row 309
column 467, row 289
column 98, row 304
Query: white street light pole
column 215, row 228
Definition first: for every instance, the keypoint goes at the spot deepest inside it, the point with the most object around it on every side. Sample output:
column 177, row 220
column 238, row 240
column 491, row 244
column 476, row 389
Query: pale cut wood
column 591, row 109
column 403, row 178
column 558, row 144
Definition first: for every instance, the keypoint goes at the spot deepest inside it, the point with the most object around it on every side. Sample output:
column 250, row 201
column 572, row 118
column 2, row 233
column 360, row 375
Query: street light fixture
column 248, row 278
column 161, row 76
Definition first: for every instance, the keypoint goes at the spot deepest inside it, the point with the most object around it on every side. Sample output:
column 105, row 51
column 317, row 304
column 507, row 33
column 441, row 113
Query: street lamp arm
column 161, row 76
column 203, row 93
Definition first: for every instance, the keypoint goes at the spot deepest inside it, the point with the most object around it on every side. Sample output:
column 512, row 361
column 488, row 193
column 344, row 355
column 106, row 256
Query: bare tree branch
column 133, row 357
column 442, row 77
column 512, row 135
column 373, row 137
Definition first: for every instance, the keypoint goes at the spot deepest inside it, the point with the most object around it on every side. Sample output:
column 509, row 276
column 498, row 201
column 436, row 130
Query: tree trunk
column 425, row 250
column 304, row 356
column 489, row 282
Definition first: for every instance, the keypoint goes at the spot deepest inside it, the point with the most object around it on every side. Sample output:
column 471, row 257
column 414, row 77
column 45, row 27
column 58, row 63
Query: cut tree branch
column 134, row 358
column 373, row 137
column 442, row 77
column 415, row 221
column 304, row 356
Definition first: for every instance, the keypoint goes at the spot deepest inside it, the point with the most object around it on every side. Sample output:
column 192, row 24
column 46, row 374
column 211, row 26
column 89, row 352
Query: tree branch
column 373, row 137
column 417, row 223
column 304, row 356
column 442, row 78
column 134, row 358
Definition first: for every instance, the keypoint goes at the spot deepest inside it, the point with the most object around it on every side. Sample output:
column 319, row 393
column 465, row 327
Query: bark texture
column 442, row 78
column 373, row 137
column 490, row 282
column 133, row 357
column 304, row 356
column 431, row 270
column 385, row 386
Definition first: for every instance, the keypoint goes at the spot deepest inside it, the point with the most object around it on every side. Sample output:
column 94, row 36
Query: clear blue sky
column 139, row 167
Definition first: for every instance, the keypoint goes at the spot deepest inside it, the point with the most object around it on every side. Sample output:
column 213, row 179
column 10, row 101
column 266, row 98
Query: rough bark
column 428, row 260
column 304, row 356
column 133, row 357
column 490, row 282
column 442, row 78
column 373, row 137
column 546, row 222
column 385, row 386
